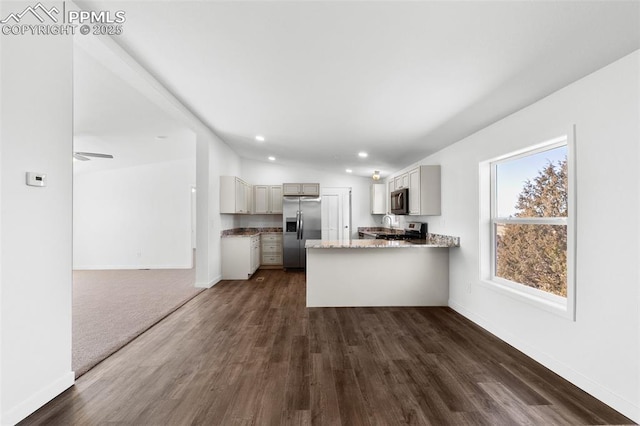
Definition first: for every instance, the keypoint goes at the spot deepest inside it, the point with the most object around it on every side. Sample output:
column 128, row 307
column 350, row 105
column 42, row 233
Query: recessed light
column 272, row 158
column 160, row 137
column 260, row 138
column 363, row 154
column 349, row 171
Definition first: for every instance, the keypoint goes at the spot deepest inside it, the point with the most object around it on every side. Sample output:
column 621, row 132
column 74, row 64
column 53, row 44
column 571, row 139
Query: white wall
column 260, row 173
column 213, row 159
column 35, row 251
column 599, row 352
column 134, row 217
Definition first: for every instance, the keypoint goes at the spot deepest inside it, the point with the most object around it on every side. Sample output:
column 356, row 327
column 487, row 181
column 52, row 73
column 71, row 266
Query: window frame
column 560, row 305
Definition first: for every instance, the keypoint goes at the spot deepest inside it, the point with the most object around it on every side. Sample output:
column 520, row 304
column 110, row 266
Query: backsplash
column 243, row 231
column 260, row 221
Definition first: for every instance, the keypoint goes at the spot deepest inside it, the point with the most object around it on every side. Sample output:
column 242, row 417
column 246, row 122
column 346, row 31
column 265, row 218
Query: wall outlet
column 469, row 287
column 139, row 253
column 36, row 179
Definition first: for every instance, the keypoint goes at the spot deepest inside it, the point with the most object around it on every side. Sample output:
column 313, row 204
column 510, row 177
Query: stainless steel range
column 415, row 231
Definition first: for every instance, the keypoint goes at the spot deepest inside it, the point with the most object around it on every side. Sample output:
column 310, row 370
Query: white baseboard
column 40, row 398
column 211, row 283
column 128, row 267
column 609, row 397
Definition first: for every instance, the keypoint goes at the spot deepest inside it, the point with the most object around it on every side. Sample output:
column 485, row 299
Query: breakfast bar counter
column 379, row 272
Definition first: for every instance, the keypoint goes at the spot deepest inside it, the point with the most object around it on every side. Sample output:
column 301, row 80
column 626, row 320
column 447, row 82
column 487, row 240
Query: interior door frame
column 345, row 194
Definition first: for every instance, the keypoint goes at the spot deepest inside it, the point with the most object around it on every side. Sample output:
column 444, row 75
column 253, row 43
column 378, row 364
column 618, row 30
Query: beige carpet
column 112, row 307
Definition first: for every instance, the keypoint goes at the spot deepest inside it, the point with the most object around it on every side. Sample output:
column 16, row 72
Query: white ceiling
column 111, row 117
column 323, row 80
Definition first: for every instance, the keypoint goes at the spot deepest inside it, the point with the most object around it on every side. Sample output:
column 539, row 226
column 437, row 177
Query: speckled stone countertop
column 247, row 232
column 432, row 240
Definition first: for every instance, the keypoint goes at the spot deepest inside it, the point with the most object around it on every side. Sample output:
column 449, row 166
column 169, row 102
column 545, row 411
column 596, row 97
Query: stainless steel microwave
column 400, row 201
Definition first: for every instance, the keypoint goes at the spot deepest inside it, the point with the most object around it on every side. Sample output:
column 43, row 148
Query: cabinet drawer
column 271, row 238
column 271, row 259
column 271, row 248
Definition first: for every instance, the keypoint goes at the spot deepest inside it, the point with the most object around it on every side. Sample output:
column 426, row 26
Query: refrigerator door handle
column 301, row 227
column 298, row 224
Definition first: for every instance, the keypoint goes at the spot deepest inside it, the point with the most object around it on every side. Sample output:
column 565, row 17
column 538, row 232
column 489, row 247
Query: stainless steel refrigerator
column 301, row 221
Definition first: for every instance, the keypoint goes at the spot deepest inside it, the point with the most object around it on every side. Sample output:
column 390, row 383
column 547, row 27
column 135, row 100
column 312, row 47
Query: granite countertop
column 247, row 232
column 432, row 240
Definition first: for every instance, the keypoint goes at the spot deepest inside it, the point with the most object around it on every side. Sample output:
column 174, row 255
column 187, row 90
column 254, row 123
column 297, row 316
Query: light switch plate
column 36, row 179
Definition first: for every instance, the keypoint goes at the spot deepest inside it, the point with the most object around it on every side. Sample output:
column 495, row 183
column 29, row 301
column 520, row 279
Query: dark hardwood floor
column 250, row 353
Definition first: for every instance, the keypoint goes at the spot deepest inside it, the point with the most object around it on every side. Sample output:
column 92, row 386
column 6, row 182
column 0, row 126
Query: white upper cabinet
column 235, row 195
column 275, row 192
column 402, row 181
column 414, row 191
column 392, row 187
column 267, row 199
column 424, row 191
column 261, row 199
column 378, row 198
column 312, row 189
column 423, row 183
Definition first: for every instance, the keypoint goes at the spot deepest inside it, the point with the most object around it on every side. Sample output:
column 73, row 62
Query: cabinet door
column 275, row 197
column 378, row 198
column 291, row 188
column 405, row 180
column 227, row 194
column 397, row 183
column 414, row 191
column 255, row 254
column 261, row 199
column 402, row 181
column 311, row 189
column 236, row 258
column 392, row 187
column 241, row 198
column 248, row 196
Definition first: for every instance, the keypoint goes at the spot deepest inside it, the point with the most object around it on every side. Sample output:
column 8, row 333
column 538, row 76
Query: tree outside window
column 529, row 220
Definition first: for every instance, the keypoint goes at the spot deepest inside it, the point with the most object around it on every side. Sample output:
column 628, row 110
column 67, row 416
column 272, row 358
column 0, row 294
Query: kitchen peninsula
column 379, row 272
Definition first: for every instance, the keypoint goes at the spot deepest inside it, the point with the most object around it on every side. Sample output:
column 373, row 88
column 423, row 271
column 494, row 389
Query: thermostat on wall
column 36, row 179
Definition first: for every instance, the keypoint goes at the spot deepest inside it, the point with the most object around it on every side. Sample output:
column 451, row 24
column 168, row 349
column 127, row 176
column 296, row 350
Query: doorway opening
column 133, row 212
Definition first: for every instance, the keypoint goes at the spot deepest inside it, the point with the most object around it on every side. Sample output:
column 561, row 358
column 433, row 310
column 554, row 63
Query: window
column 531, row 228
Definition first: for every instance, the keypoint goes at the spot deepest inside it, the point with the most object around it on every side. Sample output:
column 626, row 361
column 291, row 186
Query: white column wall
column 35, row 255
column 213, row 159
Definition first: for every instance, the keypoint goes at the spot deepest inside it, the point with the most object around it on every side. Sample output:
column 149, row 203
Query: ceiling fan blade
column 94, row 154
column 80, row 157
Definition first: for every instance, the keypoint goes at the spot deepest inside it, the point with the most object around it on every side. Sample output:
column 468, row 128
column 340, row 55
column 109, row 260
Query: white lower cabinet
column 271, row 249
column 240, row 257
column 255, row 253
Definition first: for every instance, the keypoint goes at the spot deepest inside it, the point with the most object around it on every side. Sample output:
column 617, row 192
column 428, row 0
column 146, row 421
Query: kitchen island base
column 342, row 277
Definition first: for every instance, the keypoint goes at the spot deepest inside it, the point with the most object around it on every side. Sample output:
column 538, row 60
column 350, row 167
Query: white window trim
column 561, row 306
